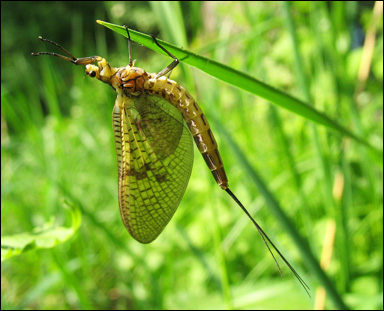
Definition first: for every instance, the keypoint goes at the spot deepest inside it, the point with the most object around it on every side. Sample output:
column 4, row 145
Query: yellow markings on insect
column 153, row 121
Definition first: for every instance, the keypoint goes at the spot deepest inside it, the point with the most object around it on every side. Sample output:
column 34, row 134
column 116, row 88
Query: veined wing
column 155, row 156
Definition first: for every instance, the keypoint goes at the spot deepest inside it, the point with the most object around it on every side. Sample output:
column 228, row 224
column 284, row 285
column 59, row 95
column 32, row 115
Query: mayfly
column 153, row 119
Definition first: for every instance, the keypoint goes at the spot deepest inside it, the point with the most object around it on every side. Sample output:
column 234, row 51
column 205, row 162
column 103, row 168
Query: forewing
column 155, row 156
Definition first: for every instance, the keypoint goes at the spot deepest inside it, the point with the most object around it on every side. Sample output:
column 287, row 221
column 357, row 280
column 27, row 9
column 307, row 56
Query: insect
column 153, row 119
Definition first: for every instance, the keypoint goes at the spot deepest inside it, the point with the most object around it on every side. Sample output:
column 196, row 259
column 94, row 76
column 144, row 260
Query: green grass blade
column 284, row 220
column 245, row 82
column 170, row 19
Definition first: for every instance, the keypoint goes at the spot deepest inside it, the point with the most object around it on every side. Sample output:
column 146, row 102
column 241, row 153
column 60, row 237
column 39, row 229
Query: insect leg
column 171, row 66
column 59, row 46
column 69, row 58
column 129, row 47
column 167, row 69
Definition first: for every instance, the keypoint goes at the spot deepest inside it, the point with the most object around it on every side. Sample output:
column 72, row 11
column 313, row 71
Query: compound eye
column 92, row 74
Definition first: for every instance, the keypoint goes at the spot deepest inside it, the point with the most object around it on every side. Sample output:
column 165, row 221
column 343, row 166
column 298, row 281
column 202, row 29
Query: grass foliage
column 316, row 190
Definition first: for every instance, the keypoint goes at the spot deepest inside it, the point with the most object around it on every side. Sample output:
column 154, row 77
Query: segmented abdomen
column 195, row 119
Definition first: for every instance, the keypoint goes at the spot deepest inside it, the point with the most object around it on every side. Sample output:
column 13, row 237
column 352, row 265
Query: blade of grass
column 245, row 82
column 283, row 219
column 321, row 159
column 170, row 19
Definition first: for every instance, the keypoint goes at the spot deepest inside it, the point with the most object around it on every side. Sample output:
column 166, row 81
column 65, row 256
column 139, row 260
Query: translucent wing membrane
column 155, row 156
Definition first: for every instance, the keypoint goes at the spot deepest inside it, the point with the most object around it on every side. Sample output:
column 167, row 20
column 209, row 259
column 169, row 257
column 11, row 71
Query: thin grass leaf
column 245, row 82
column 284, row 220
column 170, row 19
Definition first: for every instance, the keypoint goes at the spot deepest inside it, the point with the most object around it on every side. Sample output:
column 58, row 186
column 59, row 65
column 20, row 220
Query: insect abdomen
column 196, row 121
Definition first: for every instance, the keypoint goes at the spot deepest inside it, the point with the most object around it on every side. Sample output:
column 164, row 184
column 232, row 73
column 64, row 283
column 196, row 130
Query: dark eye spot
column 92, row 74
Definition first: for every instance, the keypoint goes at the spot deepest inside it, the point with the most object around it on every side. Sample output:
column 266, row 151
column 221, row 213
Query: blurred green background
column 58, row 165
